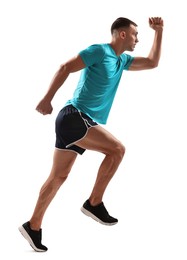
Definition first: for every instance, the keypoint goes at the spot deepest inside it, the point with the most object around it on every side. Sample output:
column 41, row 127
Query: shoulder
column 126, row 56
column 93, row 54
column 94, row 48
column 127, row 60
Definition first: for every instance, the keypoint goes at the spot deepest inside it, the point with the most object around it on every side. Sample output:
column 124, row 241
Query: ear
column 123, row 35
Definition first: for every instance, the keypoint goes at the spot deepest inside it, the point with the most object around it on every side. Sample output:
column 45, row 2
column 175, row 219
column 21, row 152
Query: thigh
column 63, row 161
column 99, row 139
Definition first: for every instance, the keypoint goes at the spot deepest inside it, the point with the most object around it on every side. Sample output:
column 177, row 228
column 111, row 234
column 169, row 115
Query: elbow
column 153, row 61
column 64, row 69
column 153, row 64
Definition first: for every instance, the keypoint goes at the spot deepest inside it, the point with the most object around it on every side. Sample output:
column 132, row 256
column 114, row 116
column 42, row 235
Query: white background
column 148, row 193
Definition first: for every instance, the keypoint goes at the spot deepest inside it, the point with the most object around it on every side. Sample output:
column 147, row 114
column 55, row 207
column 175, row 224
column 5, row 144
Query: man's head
column 121, row 22
column 124, row 35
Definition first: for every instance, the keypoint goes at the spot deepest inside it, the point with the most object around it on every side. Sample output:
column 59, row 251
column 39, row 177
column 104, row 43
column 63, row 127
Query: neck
column 118, row 50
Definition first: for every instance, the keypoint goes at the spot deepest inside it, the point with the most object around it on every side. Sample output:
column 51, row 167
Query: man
column 78, row 123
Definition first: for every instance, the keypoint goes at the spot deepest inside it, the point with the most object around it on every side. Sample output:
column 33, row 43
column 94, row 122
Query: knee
column 57, row 181
column 120, row 150
column 62, row 176
column 58, row 177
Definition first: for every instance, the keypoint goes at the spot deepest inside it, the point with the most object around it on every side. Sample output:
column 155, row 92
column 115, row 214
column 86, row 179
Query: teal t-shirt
column 99, row 81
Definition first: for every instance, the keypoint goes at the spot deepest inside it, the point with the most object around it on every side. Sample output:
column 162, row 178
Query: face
column 131, row 38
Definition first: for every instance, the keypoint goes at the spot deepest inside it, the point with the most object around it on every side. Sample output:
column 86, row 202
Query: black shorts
column 71, row 125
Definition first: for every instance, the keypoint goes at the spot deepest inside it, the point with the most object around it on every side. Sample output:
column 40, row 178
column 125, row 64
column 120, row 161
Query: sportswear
column 99, row 80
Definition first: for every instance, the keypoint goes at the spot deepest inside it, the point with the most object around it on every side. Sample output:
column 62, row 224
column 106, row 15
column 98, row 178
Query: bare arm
column 73, row 65
column 152, row 60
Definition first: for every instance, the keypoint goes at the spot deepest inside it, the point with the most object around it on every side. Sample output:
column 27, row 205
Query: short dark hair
column 121, row 22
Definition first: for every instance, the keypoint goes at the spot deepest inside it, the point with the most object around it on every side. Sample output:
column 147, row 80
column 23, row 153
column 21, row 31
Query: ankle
column 34, row 226
column 94, row 201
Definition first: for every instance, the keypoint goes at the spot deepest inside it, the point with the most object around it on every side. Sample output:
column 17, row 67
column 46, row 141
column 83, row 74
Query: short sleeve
column 128, row 59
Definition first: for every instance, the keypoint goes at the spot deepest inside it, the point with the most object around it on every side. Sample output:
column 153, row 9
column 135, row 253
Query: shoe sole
column 89, row 214
column 29, row 239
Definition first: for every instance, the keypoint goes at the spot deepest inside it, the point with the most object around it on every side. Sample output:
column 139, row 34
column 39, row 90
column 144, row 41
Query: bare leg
column 62, row 164
column 101, row 140
column 97, row 139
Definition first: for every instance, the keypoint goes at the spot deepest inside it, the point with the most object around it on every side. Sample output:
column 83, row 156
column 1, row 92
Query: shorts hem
column 67, row 150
